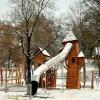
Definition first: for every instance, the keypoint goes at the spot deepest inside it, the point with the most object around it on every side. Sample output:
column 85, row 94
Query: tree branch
column 22, row 44
column 39, row 12
column 44, row 48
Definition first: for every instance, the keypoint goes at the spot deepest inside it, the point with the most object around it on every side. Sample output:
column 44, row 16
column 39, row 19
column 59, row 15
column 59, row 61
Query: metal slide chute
column 47, row 65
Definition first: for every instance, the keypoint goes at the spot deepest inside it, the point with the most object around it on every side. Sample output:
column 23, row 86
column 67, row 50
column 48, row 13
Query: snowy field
column 18, row 93
column 55, row 94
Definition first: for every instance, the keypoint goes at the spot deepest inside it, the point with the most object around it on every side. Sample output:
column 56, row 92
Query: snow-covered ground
column 18, row 93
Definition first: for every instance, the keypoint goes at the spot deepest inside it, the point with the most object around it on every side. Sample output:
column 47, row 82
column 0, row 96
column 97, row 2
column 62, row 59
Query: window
column 73, row 59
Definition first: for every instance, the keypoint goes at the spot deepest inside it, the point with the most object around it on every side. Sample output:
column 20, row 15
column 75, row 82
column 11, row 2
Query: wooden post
column 12, row 70
column 2, row 74
column 92, row 81
column 1, row 77
column 16, row 75
column 20, row 75
column 6, row 79
column 45, row 82
column 62, row 79
column 84, row 75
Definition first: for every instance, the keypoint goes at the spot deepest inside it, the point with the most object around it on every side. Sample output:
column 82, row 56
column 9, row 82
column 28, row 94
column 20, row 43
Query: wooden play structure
column 48, row 79
column 74, row 62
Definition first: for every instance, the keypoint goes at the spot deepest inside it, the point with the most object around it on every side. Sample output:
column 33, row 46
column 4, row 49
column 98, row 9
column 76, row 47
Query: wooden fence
column 12, row 75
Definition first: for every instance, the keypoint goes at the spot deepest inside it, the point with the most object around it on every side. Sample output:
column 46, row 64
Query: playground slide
column 47, row 65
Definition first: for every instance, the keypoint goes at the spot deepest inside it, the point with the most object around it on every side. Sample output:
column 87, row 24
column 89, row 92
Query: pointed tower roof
column 81, row 54
column 69, row 37
column 44, row 52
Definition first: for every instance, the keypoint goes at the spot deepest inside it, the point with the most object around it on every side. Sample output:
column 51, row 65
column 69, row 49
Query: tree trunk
column 28, row 64
column 9, row 62
column 28, row 79
column 84, row 75
column 99, row 68
column 92, row 81
column 99, row 65
column 98, row 60
column 28, row 71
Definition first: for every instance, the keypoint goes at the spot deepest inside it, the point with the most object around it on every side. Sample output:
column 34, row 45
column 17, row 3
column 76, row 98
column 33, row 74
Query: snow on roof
column 44, row 52
column 81, row 54
column 69, row 37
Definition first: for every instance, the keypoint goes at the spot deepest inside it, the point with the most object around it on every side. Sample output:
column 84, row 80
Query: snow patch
column 69, row 37
column 45, row 52
column 81, row 54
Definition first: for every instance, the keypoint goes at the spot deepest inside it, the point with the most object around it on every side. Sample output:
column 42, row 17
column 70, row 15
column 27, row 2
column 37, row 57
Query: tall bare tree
column 7, row 42
column 23, row 13
column 94, row 12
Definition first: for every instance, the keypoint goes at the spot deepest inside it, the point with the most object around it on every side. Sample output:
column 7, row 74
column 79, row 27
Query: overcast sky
column 62, row 6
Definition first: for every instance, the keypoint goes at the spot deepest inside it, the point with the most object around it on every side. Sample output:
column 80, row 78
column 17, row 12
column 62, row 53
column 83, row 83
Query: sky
column 61, row 5
column 3, row 7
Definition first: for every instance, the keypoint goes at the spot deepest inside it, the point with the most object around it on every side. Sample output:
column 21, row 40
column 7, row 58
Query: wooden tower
column 50, row 75
column 73, row 62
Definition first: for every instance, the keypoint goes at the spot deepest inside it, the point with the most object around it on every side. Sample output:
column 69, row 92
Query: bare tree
column 94, row 12
column 7, row 43
column 25, row 16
